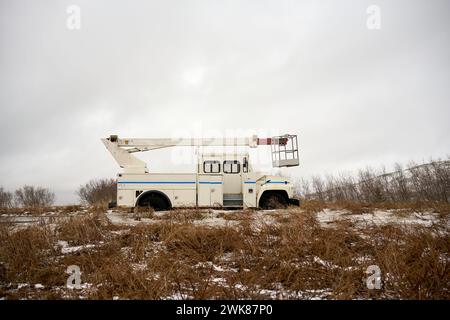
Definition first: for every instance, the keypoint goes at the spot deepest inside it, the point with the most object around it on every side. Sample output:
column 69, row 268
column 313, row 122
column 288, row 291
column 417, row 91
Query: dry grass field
column 316, row 251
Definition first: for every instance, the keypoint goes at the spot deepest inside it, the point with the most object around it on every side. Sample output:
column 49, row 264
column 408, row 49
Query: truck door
column 210, row 183
column 232, row 177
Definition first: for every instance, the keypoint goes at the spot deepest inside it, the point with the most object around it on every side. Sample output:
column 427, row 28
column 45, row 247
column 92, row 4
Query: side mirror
column 245, row 165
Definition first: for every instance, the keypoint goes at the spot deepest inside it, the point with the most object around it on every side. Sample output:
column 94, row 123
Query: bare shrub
column 429, row 182
column 30, row 196
column 98, row 192
column 318, row 187
column 6, row 198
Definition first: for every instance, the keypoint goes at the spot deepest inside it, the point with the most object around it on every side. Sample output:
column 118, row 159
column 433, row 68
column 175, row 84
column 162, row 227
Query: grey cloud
column 149, row 68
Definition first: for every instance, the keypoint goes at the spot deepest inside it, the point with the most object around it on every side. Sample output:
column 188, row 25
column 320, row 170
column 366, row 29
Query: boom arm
column 122, row 149
column 151, row 144
column 130, row 163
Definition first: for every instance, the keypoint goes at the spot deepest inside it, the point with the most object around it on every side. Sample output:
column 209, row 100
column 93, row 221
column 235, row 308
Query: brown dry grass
column 182, row 215
column 41, row 210
column 172, row 257
column 84, row 229
column 27, row 255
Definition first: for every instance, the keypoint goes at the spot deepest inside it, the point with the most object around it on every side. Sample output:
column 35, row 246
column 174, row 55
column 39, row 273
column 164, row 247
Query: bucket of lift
column 285, row 151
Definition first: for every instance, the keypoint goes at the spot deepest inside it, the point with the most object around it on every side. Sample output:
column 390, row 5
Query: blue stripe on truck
column 210, row 182
column 169, row 182
column 157, row 182
column 189, row 182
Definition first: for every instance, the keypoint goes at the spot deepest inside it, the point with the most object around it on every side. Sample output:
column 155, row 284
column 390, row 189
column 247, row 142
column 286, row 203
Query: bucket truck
column 222, row 179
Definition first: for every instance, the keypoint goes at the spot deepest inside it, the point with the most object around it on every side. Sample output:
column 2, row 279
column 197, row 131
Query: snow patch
column 65, row 248
column 377, row 217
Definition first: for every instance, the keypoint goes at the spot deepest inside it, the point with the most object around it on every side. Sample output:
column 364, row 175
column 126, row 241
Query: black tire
column 112, row 204
column 273, row 201
column 155, row 201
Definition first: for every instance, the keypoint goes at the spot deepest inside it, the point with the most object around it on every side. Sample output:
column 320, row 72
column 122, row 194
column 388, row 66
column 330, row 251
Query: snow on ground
column 123, row 218
column 214, row 218
column 178, row 296
column 223, row 218
column 279, row 292
column 25, row 219
column 65, row 248
column 377, row 217
column 259, row 218
column 217, row 268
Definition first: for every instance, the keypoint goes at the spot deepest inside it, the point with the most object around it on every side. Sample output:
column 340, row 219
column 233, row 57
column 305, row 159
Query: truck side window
column 232, row 166
column 211, row 166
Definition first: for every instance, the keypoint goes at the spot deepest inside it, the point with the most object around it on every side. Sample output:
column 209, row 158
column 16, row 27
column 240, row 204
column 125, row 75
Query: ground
column 312, row 252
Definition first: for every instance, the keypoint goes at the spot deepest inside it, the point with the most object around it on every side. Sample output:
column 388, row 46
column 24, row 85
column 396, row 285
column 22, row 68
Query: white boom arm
column 122, row 149
column 125, row 160
column 151, row 144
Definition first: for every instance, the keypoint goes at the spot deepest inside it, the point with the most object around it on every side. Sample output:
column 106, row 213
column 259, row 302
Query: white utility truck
column 222, row 179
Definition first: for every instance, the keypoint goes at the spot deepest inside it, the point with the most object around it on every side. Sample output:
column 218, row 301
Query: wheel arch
column 268, row 192
column 146, row 193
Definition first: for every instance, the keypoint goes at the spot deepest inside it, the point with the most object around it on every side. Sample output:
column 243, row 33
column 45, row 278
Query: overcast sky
column 355, row 96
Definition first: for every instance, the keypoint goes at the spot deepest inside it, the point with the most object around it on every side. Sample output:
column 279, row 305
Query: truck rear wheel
column 154, row 200
column 273, row 201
